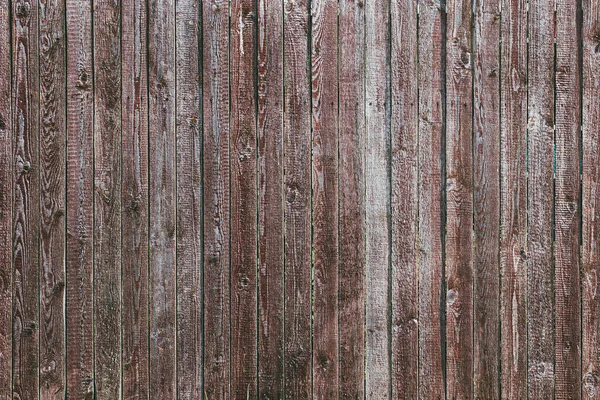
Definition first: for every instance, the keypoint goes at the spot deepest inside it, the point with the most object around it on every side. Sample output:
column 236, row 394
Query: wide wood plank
column 80, row 175
column 296, row 125
column 215, row 23
column 351, row 188
column 52, row 198
column 405, row 288
column 134, row 198
column 540, row 147
column 270, row 199
column 513, row 193
column 486, row 198
column 189, row 202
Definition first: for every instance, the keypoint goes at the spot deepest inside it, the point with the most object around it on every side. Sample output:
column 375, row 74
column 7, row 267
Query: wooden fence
column 299, row 199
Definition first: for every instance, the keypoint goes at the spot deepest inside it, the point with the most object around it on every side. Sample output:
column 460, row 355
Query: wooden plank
column 431, row 230
column 590, row 247
column 80, row 175
column 296, row 125
column 162, row 198
column 351, row 188
column 405, row 295
column 243, row 188
column 215, row 22
column 271, row 200
column 540, row 144
column 189, row 202
column 377, row 201
column 134, row 198
column 52, row 198
column 25, row 254
column 459, row 200
column 486, row 199
column 6, row 199
column 107, row 199
column 324, row 42
column 513, row 193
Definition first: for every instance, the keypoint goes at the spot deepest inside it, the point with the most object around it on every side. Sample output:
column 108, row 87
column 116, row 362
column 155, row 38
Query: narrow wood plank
column 459, row 200
column 377, row 201
column 324, row 42
column 431, row 229
column 162, row 198
column 567, row 295
column 215, row 25
column 540, row 145
column 513, row 194
column 134, row 198
column 590, row 246
column 52, row 198
column 486, row 199
column 107, row 199
column 6, row 204
column 25, row 252
column 296, row 125
column 189, row 202
column 80, row 175
column 271, row 200
column 351, row 186
column 405, row 258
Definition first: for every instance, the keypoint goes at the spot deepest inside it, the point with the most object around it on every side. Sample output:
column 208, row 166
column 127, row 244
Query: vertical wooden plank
column 351, row 188
column 325, row 196
column 486, row 198
column 107, row 198
column 540, row 144
column 377, row 200
column 80, row 174
column 243, row 201
column 405, row 288
column 459, row 196
column 26, row 199
column 6, row 198
column 431, row 231
column 134, row 197
column 296, row 125
column 270, row 197
column 162, row 198
column 590, row 205
column 513, row 194
column 52, row 198
column 189, row 202
column 567, row 295
column 215, row 23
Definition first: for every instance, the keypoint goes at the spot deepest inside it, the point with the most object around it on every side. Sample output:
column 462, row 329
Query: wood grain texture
column 270, row 200
column 324, row 70
column 567, row 295
column 189, row 201
column 486, row 199
column 297, row 164
column 405, row 206
column 107, row 198
column 162, row 199
column 80, row 201
column 6, row 203
column 590, row 247
column 52, row 198
column 217, row 329
column 540, row 144
column 134, row 198
column 377, row 200
column 431, row 203
column 351, row 187
column 513, row 194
